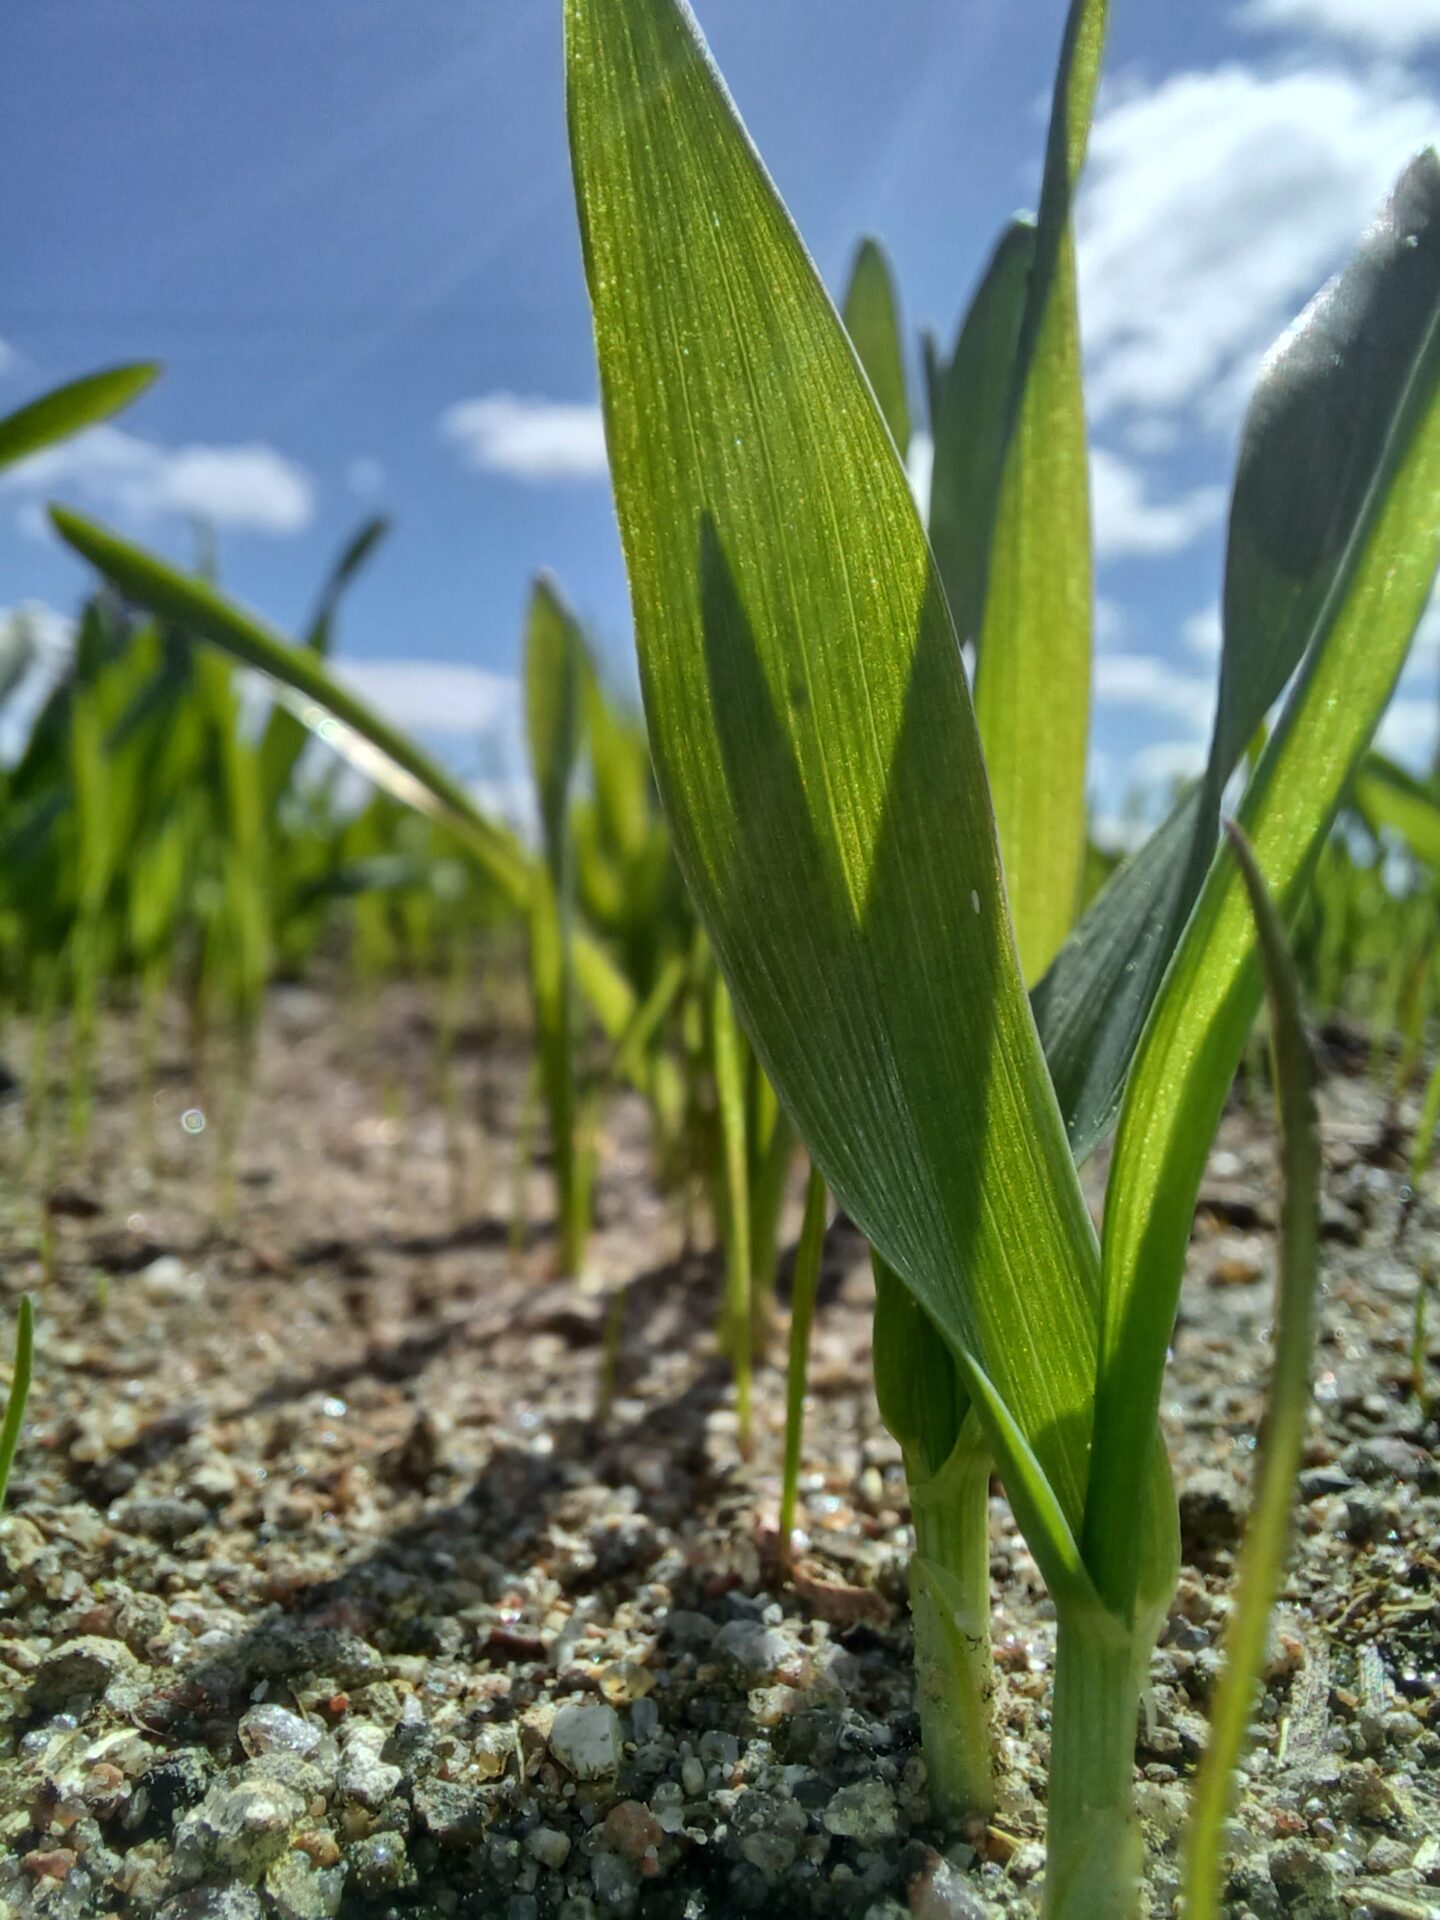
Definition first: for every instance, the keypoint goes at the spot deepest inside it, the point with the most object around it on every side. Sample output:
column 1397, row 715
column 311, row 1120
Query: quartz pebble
column 586, row 1741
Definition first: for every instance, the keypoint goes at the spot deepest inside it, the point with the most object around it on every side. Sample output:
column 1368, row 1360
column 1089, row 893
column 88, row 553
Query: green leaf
column 1032, row 684
column 734, row 1192
column 323, row 703
column 19, row 1390
column 804, row 1286
column 1331, row 417
column 555, row 667
column 872, row 319
column 1262, row 1559
column 1388, row 796
column 283, row 740
column 1423, row 1144
column 970, row 417
column 1342, row 448
column 70, row 409
column 813, row 738
column 345, row 723
column 917, row 1388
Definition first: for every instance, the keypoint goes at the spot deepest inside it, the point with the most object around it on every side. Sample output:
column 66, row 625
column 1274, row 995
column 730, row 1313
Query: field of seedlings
column 795, row 1335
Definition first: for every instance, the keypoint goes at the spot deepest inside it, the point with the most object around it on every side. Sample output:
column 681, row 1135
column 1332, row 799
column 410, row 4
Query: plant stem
column 802, row 1311
column 1093, row 1846
column 950, row 1605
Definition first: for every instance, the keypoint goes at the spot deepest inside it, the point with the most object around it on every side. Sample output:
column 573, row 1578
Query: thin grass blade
column 1032, row 676
column 871, row 311
column 1353, row 393
column 1317, row 468
column 804, row 1285
column 969, row 422
column 1388, row 796
column 19, row 1390
column 70, row 409
column 1262, row 1559
column 813, row 738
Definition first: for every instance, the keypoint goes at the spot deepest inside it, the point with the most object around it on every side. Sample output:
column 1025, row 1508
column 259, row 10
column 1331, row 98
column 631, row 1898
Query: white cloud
column 1202, row 632
column 252, row 488
column 435, row 696
column 365, row 477
column 1389, row 26
column 1215, row 205
column 1129, row 521
column 1145, row 681
column 527, row 438
column 1167, row 763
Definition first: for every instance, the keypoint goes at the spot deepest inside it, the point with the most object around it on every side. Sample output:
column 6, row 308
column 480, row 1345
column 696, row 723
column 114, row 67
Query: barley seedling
column 821, row 765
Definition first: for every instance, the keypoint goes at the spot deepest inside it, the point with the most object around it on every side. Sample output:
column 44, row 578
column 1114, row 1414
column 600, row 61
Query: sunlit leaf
column 19, row 1390
column 1319, row 464
column 70, row 409
column 1342, row 447
column 872, row 319
column 1267, row 1532
column 1032, row 681
column 813, row 736
column 1388, row 796
column 970, row 416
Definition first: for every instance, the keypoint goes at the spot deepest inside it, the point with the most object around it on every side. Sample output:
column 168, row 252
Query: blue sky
column 346, row 229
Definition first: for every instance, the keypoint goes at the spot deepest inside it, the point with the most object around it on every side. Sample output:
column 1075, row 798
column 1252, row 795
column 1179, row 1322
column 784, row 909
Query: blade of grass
column 735, row 1192
column 346, row 724
column 1424, row 1143
column 1388, row 796
column 871, row 311
column 969, row 420
column 70, row 409
column 804, row 1285
column 1317, row 468
column 325, row 704
column 554, row 674
column 812, row 734
column 1032, row 676
column 1381, row 438
column 284, row 738
column 19, row 1390
column 1262, row 1558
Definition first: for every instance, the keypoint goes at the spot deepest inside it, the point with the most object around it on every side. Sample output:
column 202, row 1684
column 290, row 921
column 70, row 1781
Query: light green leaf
column 804, row 1287
column 1343, row 444
column 1388, row 796
column 917, row 1389
column 1319, row 447
column 1032, row 684
column 346, row 724
column 812, row 732
column 324, row 703
column 70, row 409
column 19, row 1390
column 1262, row 1559
column 970, row 417
column 284, row 738
column 872, row 319
column 555, row 667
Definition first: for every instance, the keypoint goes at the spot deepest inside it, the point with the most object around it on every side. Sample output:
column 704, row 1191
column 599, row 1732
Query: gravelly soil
column 326, row 1587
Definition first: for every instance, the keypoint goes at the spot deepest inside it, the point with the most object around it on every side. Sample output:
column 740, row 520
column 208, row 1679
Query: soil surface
column 342, row 1574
